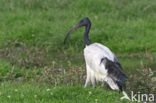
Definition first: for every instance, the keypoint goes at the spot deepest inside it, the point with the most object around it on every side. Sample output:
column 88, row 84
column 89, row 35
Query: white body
column 96, row 71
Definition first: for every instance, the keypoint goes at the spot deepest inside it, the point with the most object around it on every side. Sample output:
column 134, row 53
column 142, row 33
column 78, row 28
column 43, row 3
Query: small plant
column 145, row 82
column 71, row 75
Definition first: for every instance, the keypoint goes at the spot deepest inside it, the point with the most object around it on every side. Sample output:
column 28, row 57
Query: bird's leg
column 93, row 79
column 87, row 81
column 88, row 77
column 108, row 87
column 102, row 83
column 93, row 82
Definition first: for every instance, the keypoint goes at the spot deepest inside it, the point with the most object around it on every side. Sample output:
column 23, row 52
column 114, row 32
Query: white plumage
column 96, row 72
column 101, row 64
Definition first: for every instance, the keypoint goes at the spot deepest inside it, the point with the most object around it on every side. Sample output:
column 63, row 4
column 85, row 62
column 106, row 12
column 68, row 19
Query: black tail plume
column 114, row 72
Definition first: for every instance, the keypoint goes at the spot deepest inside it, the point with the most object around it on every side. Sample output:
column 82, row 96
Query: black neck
column 86, row 34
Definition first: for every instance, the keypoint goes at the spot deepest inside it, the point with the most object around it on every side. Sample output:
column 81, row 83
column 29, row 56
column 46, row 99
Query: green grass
column 43, row 93
column 68, row 84
column 123, row 26
column 31, row 47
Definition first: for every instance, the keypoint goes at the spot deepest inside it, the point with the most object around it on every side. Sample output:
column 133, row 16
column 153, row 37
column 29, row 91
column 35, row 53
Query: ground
column 35, row 65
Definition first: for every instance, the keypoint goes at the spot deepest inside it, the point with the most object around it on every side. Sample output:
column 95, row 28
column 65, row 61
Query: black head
column 84, row 22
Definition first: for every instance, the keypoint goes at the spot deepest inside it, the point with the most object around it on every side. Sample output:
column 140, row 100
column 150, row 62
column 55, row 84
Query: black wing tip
column 126, row 77
column 123, row 77
column 120, row 80
column 121, row 85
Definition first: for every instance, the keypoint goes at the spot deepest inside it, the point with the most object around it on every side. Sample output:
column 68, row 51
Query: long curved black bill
column 73, row 28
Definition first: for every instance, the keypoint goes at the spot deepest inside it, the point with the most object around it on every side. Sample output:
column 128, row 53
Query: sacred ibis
column 101, row 64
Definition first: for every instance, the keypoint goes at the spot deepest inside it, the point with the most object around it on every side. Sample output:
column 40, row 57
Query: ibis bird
column 101, row 64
